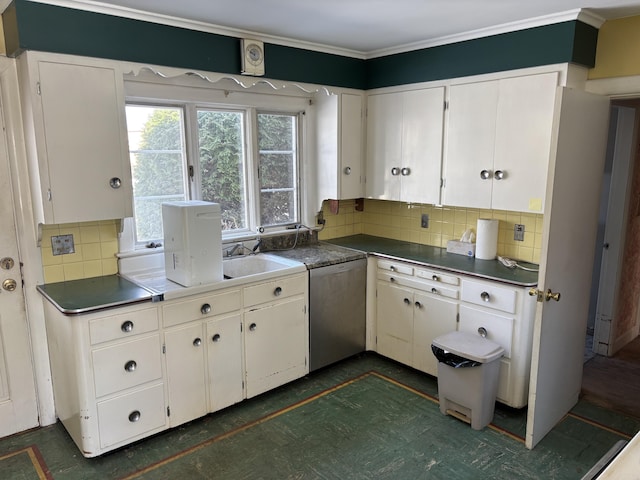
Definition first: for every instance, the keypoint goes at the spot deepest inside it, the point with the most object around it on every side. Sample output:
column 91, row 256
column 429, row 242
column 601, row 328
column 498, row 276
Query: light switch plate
column 518, row 232
column 62, row 244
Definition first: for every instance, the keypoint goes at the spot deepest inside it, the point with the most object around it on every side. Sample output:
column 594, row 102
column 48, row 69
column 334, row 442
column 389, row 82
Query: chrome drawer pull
column 215, row 338
column 435, row 278
column 485, row 296
column 483, row 332
column 127, row 326
column 205, row 309
column 130, row 366
column 134, row 416
column 277, row 291
column 434, row 290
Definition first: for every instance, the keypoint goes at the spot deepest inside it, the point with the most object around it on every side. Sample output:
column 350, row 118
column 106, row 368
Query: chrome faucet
column 234, row 249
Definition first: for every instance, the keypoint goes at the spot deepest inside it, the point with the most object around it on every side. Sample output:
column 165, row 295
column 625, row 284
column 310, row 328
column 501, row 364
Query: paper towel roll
column 487, row 239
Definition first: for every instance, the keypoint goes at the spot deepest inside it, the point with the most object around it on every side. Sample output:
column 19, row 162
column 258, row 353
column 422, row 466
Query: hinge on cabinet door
column 457, row 318
column 164, row 348
column 191, row 174
column 38, row 91
column 49, row 196
column 446, row 105
column 443, row 182
column 168, row 411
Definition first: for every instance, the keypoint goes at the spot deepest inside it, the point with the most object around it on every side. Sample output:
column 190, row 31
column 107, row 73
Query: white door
column 568, row 244
column 18, row 404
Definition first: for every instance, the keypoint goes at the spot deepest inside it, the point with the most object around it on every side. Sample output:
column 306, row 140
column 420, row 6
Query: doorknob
column 9, row 284
column 541, row 295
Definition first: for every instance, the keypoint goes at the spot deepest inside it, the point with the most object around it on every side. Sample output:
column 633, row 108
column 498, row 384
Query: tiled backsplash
column 402, row 221
column 95, row 243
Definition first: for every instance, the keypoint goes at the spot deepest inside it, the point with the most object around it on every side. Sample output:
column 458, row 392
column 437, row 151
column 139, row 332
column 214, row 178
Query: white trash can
column 468, row 374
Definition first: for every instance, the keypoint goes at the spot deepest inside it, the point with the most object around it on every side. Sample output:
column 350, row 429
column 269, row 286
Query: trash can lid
column 469, row 345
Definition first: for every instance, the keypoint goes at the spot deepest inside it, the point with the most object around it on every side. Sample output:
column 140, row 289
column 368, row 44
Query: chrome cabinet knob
column 253, row 327
column 485, row 174
column 407, row 301
column 347, row 170
column 127, row 326
column 485, row 296
column 115, row 182
column 434, row 290
column 395, row 171
column 418, row 305
column 405, row 171
column 499, row 174
column 435, row 278
column 130, row 366
column 215, row 338
column 197, row 342
column 134, row 416
column 483, row 332
column 277, row 291
column 205, row 309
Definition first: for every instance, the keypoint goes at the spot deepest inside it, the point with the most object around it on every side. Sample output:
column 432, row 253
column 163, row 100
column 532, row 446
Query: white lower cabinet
column 107, row 375
column 122, row 374
column 411, row 312
column 415, row 304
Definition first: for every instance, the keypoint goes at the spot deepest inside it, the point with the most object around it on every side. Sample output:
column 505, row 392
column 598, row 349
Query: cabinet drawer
column 275, row 290
column 396, row 267
column 131, row 415
column 123, row 325
column 436, row 276
column 489, row 295
column 430, row 287
column 126, row 364
column 499, row 329
column 201, row 307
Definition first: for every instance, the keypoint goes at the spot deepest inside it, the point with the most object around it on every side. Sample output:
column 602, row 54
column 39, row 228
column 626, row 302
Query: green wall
column 37, row 26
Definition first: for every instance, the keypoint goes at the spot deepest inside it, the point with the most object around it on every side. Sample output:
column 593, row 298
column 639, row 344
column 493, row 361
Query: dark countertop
column 91, row 294
column 320, row 254
column 439, row 258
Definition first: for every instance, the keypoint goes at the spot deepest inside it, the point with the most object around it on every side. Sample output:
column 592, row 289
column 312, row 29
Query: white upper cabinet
column 404, row 145
column 340, row 146
column 75, row 126
column 498, row 142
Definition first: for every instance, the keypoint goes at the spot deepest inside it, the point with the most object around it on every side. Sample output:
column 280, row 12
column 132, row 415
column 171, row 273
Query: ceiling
column 362, row 28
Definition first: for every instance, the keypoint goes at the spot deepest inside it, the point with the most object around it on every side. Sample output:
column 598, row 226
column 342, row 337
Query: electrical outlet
column 424, row 220
column 518, row 232
column 62, row 244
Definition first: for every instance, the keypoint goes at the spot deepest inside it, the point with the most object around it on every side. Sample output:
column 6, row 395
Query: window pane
column 277, row 143
column 157, row 164
column 222, row 159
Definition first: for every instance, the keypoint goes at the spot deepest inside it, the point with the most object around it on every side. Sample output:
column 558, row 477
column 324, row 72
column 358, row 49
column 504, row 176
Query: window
column 245, row 159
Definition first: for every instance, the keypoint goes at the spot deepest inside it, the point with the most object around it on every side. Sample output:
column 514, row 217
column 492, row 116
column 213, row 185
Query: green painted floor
column 364, row 418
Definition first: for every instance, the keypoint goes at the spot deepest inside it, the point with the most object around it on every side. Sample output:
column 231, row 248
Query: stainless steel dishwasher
column 337, row 306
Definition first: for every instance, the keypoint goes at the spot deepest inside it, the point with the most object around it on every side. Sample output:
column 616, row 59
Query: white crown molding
column 577, row 14
column 98, row 7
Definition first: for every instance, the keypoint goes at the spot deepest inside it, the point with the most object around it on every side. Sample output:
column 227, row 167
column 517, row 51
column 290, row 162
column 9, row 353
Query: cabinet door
column 224, row 355
column 394, row 310
column 350, row 167
column 185, row 359
column 384, row 144
column 276, row 345
column 422, row 125
column 432, row 317
column 470, row 144
column 523, row 142
column 85, row 143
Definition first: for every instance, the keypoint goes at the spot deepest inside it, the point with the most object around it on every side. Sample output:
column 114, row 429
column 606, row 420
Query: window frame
column 190, row 99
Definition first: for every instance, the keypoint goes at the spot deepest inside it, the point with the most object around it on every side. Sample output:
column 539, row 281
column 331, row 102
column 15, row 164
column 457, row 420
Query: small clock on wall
column 252, row 57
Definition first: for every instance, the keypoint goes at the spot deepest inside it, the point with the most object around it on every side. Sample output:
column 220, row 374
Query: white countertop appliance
column 192, row 242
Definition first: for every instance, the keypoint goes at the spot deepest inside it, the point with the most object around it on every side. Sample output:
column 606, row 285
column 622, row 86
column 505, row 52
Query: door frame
column 27, row 236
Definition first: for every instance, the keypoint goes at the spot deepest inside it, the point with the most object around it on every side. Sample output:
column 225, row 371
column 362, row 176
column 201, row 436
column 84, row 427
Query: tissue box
column 461, row 248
